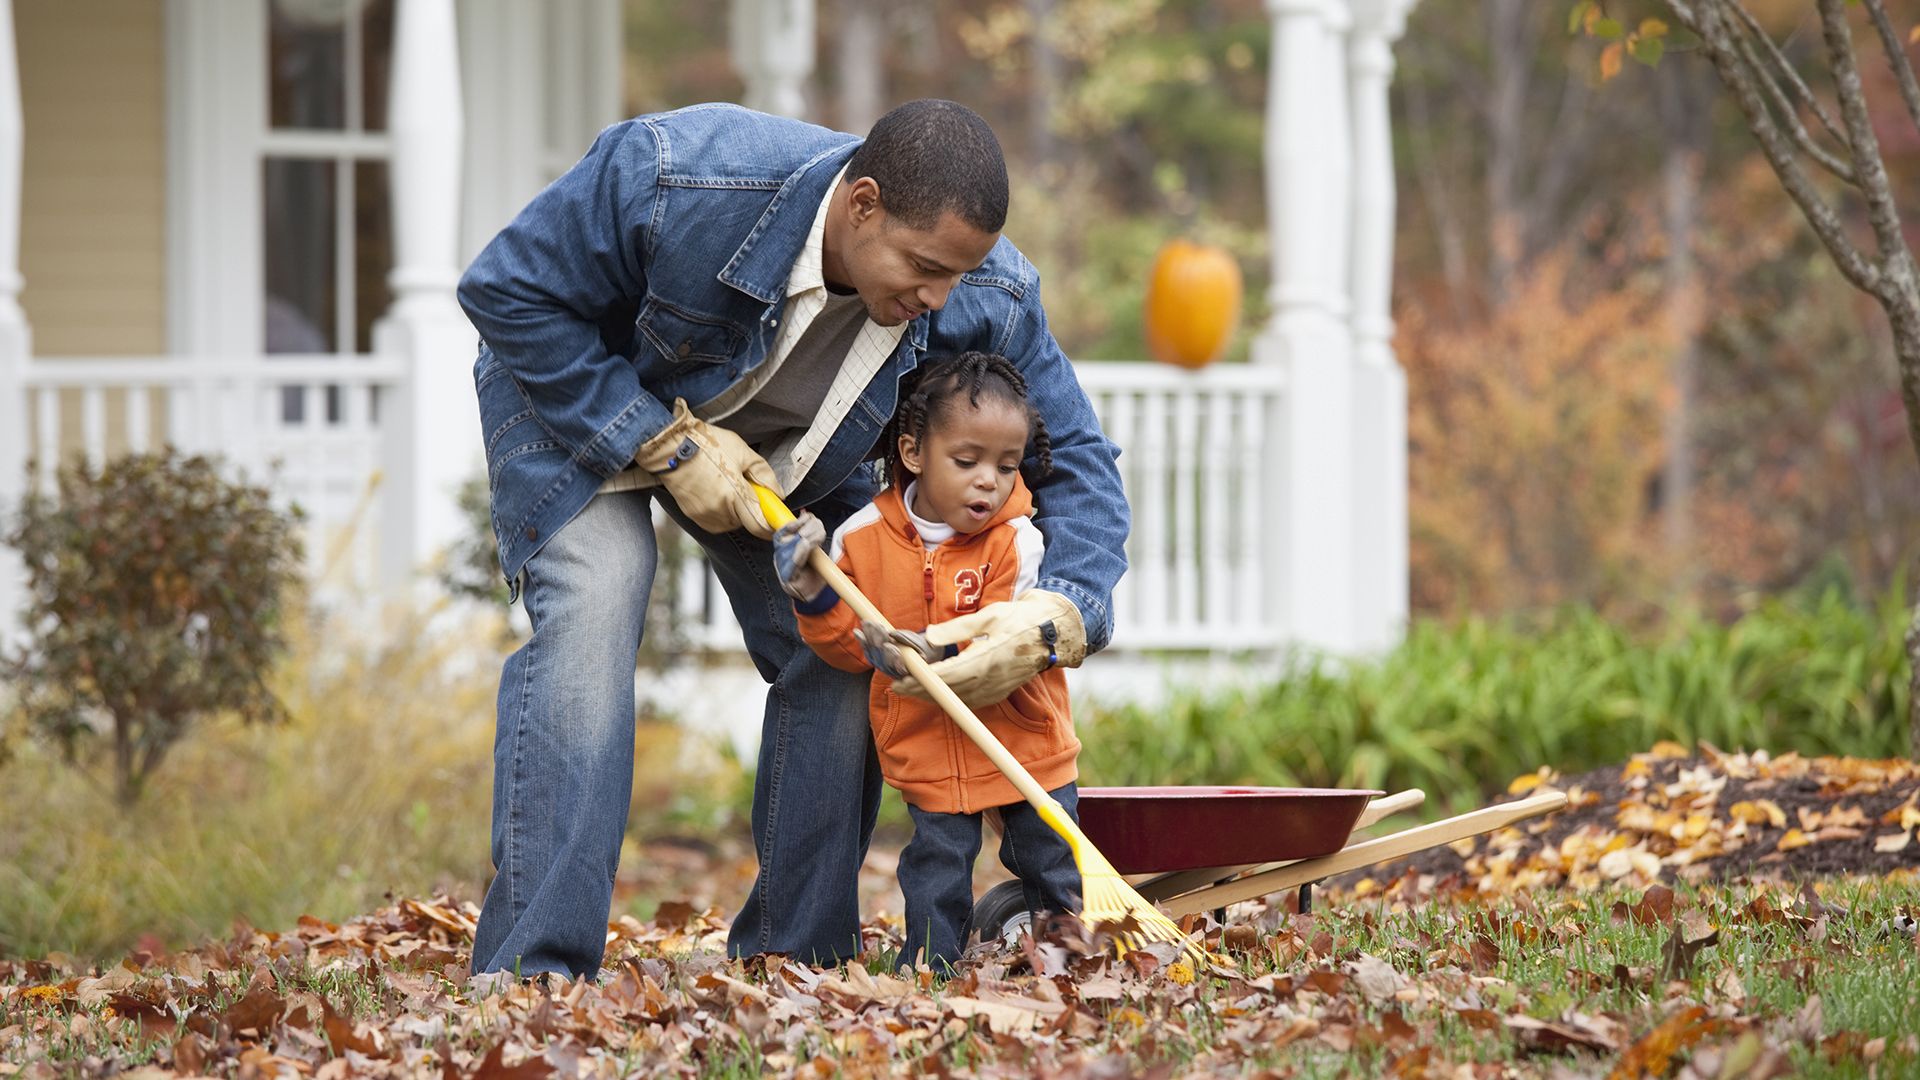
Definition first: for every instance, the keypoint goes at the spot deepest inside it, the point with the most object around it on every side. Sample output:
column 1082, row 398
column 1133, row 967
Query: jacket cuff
column 613, row 447
column 819, row 605
column 1094, row 614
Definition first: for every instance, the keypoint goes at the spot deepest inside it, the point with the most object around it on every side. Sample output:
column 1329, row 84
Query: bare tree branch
column 1793, row 74
column 1791, row 117
column 1897, row 59
column 1867, row 163
column 1707, row 19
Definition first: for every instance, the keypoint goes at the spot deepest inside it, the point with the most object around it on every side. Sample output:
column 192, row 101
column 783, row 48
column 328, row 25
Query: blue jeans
column 563, row 754
column 936, row 873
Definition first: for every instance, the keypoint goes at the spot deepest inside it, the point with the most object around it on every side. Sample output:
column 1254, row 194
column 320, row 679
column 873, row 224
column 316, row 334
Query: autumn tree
column 1822, row 146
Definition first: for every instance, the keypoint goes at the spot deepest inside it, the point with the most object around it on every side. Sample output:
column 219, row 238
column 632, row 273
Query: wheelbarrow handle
column 777, row 514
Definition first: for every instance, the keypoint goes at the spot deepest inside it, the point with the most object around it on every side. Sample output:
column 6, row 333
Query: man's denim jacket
column 655, row 269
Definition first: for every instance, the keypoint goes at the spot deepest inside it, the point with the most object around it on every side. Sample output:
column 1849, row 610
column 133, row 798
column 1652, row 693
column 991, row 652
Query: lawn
column 1713, row 980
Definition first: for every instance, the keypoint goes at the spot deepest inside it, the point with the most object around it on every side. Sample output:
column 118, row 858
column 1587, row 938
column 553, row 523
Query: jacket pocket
column 506, row 418
column 910, row 748
column 1034, row 707
column 683, row 337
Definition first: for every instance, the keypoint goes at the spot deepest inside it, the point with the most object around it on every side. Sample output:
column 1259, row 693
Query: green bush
column 156, row 590
column 1459, row 709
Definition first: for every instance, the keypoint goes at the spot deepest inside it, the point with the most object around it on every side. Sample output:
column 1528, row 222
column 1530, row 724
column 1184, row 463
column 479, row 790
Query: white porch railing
column 308, row 427
column 1194, row 452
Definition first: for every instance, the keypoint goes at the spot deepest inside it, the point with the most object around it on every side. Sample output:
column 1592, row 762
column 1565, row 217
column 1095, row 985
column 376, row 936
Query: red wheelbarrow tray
column 1148, row 830
column 1207, row 848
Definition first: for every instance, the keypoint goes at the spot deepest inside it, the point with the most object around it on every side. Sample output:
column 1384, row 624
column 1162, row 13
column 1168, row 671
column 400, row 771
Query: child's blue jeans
column 936, row 874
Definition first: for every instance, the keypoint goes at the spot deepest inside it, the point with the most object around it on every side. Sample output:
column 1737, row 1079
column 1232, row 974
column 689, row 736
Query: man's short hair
column 933, row 156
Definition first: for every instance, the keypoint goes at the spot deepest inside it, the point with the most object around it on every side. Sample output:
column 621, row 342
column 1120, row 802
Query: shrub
column 155, row 600
column 1460, row 708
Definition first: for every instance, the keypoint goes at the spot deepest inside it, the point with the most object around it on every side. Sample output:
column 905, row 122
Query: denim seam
column 519, row 744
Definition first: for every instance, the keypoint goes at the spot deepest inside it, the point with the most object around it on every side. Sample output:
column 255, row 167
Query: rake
column 1105, row 896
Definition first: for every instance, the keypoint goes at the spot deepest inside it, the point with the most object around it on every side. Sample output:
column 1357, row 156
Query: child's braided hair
column 928, row 396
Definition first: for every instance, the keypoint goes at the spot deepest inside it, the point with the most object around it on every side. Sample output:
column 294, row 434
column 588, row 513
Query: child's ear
column 910, row 454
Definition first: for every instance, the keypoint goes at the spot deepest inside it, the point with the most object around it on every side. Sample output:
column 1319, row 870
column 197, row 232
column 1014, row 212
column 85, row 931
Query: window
column 327, row 222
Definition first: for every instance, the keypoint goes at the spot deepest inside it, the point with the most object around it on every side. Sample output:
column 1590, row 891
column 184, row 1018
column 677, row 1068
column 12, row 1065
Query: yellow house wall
column 93, row 221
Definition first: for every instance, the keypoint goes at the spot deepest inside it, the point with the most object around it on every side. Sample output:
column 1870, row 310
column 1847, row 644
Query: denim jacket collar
column 761, row 265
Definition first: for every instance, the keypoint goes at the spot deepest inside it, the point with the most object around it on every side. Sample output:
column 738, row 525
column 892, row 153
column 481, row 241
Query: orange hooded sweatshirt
column 923, row 752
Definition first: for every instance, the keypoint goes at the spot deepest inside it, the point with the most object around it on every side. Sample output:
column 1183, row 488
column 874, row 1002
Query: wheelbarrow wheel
column 1002, row 915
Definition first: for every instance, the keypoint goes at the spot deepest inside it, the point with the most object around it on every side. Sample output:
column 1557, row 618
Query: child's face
column 967, row 468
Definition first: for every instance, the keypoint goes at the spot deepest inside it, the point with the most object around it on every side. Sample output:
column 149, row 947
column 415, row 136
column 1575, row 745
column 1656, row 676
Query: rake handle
column 1049, row 808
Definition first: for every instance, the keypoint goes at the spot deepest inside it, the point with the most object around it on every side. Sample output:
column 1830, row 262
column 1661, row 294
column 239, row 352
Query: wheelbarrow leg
column 1306, row 898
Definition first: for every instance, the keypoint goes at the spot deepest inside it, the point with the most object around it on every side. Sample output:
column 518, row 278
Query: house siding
column 93, row 222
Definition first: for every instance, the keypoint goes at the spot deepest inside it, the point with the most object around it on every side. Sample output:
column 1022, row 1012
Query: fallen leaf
column 1759, row 812
column 1892, row 842
column 1653, row 1052
column 1376, row 978
column 1556, row 1037
column 1794, row 838
column 1679, row 952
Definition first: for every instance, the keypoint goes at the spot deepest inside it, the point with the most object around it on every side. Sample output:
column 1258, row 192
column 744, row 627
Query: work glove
column 793, row 546
column 883, row 647
column 1012, row 641
column 710, row 473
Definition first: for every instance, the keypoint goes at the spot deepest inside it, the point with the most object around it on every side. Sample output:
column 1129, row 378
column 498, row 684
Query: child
column 950, row 533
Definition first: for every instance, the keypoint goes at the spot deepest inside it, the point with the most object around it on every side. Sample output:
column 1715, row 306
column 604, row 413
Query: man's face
column 901, row 272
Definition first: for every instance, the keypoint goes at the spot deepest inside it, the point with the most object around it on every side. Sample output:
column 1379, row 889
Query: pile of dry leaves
column 1669, row 815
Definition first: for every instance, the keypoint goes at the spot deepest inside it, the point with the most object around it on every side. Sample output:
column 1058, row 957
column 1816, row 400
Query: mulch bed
column 1706, row 817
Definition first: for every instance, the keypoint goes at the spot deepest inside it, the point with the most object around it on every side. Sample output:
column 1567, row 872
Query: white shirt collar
column 932, row 533
column 809, row 269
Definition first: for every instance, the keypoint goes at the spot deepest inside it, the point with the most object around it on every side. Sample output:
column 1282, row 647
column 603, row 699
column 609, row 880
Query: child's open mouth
column 980, row 509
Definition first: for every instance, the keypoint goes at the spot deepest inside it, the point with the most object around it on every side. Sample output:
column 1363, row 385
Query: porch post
column 1380, row 386
column 772, row 44
column 1310, row 496
column 15, row 340
column 432, row 429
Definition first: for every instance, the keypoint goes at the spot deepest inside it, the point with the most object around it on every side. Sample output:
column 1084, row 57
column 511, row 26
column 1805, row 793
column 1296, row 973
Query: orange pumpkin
column 1193, row 303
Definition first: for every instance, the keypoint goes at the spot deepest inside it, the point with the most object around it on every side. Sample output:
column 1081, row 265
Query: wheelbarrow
column 1196, row 849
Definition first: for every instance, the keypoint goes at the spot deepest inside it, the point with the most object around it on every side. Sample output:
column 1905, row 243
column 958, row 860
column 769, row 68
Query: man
column 714, row 297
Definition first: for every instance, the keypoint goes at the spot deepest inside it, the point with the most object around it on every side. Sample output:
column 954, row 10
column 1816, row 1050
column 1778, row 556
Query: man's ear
column 910, row 454
column 863, row 201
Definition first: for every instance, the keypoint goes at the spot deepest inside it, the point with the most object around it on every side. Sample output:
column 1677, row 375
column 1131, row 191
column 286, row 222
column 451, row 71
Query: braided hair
column 930, row 394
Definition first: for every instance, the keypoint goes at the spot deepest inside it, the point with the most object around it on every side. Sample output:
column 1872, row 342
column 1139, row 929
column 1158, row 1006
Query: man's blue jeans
column 936, row 874
column 563, row 754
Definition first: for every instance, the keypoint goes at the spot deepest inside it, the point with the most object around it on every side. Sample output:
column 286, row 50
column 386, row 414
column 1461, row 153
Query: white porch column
column 433, row 435
column 1311, row 490
column 15, row 340
column 1380, row 386
column 772, row 43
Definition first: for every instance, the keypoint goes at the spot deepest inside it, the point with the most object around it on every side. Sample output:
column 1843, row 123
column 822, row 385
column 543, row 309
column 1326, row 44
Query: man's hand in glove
column 793, row 546
column 1012, row 641
column 883, row 648
column 709, row 471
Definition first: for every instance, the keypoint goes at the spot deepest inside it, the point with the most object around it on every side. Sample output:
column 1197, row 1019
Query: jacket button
column 686, row 347
column 533, row 533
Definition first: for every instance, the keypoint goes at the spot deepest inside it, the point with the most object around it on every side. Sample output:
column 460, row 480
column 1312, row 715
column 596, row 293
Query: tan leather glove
column 1012, row 641
column 707, row 470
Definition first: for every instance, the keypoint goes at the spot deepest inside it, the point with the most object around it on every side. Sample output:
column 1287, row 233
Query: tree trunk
column 859, row 55
column 1509, row 57
column 1682, row 112
column 1045, row 87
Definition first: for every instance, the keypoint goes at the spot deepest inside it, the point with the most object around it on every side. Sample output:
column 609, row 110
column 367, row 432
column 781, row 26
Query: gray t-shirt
column 789, row 401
